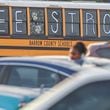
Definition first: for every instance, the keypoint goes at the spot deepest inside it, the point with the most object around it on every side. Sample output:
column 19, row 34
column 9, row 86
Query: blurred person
column 77, row 52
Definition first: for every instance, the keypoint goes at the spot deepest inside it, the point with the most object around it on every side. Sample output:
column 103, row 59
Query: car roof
column 65, row 87
column 88, row 60
column 64, row 66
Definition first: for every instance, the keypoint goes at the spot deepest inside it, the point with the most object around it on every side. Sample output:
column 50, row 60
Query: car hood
column 11, row 98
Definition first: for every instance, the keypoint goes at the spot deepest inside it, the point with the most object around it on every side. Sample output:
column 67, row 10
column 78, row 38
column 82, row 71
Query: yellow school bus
column 29, row 28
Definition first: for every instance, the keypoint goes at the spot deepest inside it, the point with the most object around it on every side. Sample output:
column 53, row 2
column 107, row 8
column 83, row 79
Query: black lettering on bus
column 36, row 43
column 50, row 43
column 64, row 44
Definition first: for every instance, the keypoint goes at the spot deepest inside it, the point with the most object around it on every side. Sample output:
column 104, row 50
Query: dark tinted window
column 90, row 23
column 4, row 21
column 31, row 77
column 19, row 21
column 2, row 73
column 95, row 96
column 48, row 78
column 103, row 52
column 37, row 21
column 1, row 67
column 54, row 22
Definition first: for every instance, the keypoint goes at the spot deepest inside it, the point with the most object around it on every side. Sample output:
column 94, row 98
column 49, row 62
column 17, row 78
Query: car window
column 94, row 96
column 2, row 68
column 103, row 52
column 49, row 78
column 26, row 76
column 22, row 76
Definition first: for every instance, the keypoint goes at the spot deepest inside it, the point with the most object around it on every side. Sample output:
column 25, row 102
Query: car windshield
column 107, row 67
column 103, row 52
column 94, row 96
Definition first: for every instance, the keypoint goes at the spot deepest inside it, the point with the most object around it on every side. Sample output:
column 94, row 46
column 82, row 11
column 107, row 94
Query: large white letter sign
column 54, row 28
column 89, row 19
column 104, row 22
column 2, row 20
column 18, row 21
column 72, row 15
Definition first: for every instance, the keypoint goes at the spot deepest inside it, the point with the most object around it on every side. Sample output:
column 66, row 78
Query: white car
column 100, row 49
column 34, row 72
column 86, row 90
column 24, row 78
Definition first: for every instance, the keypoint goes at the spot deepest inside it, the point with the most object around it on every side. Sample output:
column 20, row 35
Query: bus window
column 55, row 22
column 72, row 22
column 37, row 23
column 19, row 21
column 4, row 21
column 90, row 23
column 105, row 23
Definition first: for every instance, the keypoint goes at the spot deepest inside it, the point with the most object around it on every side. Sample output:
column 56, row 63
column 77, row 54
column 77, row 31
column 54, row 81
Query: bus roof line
column 76, row 5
